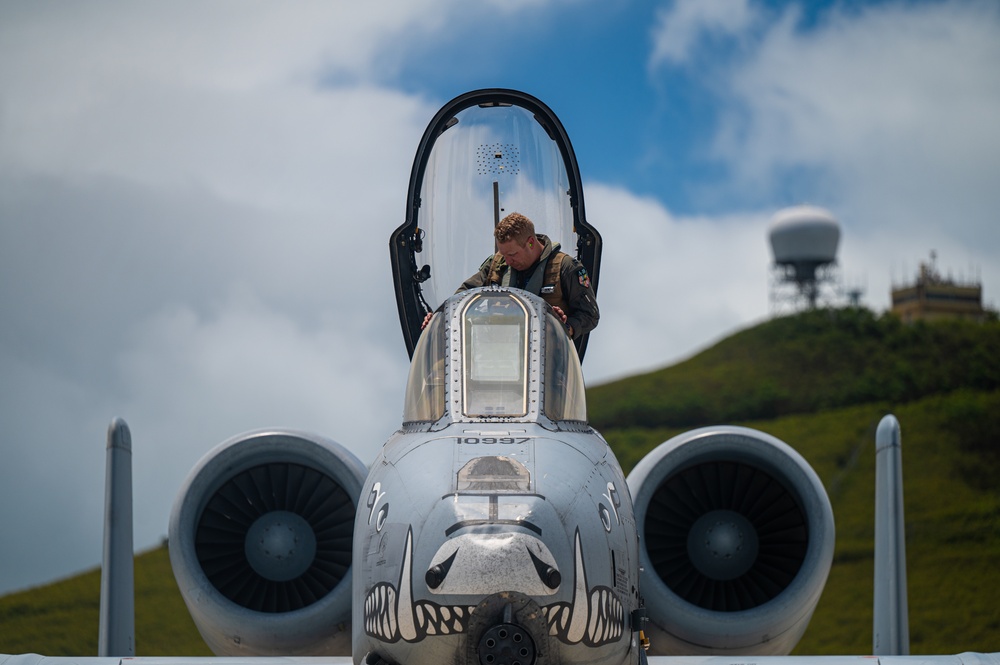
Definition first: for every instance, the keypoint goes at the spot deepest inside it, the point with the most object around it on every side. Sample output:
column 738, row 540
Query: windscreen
column 495, row 356
column 425, row 387
column 490, row 161
column 565, row 394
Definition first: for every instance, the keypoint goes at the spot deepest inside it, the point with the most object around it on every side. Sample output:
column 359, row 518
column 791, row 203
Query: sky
column 196, row 200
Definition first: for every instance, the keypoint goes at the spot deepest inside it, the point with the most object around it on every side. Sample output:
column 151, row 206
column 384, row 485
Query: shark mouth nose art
column 595, row 616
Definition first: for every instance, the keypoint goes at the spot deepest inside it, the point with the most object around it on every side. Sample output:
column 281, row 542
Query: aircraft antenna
column 496, row 204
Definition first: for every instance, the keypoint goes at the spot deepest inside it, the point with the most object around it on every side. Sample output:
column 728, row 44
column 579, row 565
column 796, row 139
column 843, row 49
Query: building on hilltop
column 935, row 297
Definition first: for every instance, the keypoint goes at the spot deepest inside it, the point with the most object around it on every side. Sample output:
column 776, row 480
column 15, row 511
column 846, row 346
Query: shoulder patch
column 584, row 278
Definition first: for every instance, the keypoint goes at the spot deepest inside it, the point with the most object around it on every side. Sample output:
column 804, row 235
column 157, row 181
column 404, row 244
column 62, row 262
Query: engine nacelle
column 260, row 544
column 736, row 539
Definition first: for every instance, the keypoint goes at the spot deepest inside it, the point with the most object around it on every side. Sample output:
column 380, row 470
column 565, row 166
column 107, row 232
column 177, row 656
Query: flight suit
column 561, row 280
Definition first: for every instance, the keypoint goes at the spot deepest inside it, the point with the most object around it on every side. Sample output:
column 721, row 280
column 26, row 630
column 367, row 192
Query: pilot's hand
column 427, row 319
column 561, row 314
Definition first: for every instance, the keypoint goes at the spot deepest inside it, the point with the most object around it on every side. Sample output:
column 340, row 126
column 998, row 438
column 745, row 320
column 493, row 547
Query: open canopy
column 485, row 154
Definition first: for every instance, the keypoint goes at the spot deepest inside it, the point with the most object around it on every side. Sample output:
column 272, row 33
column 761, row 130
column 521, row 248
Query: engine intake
column 736, row 541
column 260, row 544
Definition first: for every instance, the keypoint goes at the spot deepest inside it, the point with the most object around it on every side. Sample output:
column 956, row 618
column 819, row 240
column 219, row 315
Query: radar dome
column 804, row 235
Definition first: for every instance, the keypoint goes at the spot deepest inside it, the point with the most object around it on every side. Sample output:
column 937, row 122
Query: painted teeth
column 440, row 619
column 605, row 621
column 380, row 612
column 606, row 617
column 380, row 615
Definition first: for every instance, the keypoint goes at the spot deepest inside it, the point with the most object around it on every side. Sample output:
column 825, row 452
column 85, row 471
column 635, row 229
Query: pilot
column 531, row 261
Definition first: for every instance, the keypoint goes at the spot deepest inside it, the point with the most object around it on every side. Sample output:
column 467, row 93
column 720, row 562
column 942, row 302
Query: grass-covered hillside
column 819, row 381
column 811, row 362
column 62, row 618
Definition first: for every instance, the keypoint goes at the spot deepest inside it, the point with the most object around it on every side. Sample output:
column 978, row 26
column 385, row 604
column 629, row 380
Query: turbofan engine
column 260, row 544
column 736, row 540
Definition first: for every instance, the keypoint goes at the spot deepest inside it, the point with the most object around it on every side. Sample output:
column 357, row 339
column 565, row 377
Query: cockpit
column 485, row 154
column 496, row 355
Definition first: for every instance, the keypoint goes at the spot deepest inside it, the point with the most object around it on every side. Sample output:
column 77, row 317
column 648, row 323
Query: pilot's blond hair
column 514, row 226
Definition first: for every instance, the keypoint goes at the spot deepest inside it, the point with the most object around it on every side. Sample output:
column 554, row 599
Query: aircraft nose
column 487, row 563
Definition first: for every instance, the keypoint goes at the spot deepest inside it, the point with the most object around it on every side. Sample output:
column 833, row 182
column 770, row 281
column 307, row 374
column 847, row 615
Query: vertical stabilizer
column 116, row 636
column 891, row 628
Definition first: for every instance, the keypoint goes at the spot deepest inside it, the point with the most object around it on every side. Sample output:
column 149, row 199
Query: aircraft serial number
column 472, row 440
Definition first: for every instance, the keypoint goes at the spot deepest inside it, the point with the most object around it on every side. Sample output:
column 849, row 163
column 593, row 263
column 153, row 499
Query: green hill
column 62, row 618
column 819, row 381
column 806, row 363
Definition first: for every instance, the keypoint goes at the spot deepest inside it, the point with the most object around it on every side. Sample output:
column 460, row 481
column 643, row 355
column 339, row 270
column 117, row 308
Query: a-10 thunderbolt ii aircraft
column 495, row 526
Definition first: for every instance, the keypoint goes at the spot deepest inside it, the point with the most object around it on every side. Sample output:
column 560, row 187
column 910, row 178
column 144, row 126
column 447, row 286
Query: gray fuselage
column 490, row 512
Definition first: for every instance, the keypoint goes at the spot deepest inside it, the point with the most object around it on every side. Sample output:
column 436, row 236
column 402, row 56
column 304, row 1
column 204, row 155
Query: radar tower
column 804, row 243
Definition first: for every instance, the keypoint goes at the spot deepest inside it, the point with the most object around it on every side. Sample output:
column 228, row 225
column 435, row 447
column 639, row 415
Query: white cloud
column 892, row 106
column 287, row 145
column 193, row 236
column 682, row 27
column 670, row 285
column 229, row 45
